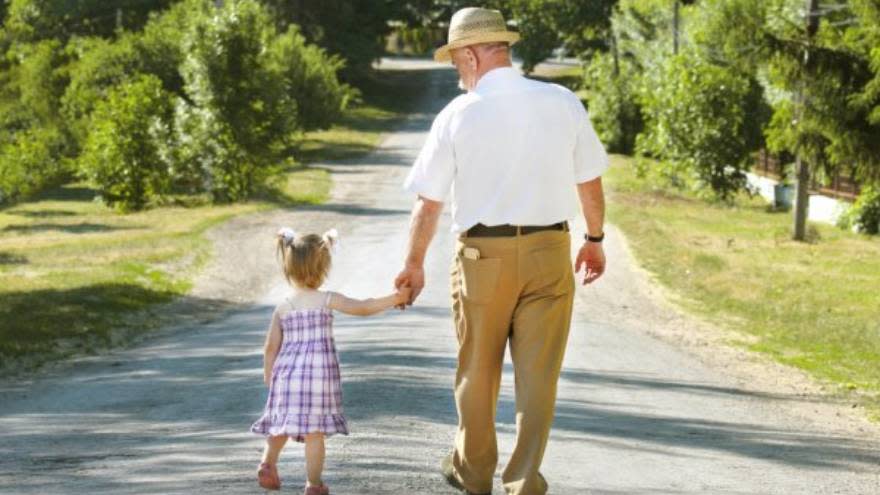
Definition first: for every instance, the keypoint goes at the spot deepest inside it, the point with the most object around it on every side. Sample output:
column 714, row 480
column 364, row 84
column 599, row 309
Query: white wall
column 822, row 208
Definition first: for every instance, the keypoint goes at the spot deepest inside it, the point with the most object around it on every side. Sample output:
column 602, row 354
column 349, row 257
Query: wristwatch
column 590, row 238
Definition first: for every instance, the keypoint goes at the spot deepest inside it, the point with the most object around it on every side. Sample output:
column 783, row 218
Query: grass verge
column 73, row 271
column 815, row 306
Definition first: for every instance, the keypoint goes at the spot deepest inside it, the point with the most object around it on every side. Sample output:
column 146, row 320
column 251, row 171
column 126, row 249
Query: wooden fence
column 840, row 186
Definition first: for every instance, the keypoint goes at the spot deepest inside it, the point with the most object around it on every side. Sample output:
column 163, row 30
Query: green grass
column 815, row 306
column 73, row 272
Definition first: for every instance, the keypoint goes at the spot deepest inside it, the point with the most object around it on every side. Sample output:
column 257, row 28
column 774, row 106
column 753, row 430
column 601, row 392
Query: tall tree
column 818, row 72
column 31, row 20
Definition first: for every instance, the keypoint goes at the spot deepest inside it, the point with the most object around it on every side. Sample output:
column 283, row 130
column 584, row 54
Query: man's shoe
column 449, row 474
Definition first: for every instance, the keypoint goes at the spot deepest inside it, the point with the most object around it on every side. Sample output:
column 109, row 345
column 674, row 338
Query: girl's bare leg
column 314, row 458
column 273, row 449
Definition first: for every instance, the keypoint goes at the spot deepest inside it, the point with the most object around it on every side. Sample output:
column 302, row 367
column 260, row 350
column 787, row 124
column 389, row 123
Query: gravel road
column 650, row 400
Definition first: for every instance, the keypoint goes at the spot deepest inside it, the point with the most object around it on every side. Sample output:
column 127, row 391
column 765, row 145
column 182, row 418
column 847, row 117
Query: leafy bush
column 864, row 214
column 614, row 105
column 35, row 147
column 238, row 117
column 703, row 121
column 32, row 161
column 122, row 154
column 310, row 77
column 31, row 20
column 42, row 78
column 101, row 65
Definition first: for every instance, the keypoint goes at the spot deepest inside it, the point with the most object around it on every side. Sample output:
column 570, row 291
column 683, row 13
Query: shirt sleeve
column 433, row 171
column 590, row 158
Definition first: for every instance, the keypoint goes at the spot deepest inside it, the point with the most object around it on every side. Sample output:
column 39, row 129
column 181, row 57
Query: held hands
column 402, row 297
column 411, row 278
column 592, row 256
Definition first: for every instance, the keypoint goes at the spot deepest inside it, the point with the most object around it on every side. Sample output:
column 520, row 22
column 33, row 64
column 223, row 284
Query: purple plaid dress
column 305, row 394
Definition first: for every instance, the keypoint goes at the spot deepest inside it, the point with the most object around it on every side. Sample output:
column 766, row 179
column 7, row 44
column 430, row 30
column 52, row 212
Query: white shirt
column 511, row 151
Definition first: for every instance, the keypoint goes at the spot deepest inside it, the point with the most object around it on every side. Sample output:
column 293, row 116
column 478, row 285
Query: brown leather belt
column 480, row 230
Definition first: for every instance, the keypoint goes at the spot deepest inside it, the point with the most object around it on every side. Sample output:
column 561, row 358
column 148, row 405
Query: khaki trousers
column 520, row 291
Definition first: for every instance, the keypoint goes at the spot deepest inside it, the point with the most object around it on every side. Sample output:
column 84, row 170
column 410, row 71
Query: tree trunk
column 676, row 21
column 802, row 201
column 615, row 53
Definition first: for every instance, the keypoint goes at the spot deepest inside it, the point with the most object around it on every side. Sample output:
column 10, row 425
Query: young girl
column 300, row 363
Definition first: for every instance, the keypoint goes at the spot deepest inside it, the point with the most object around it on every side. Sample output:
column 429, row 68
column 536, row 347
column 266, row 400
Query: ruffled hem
column 296, row 426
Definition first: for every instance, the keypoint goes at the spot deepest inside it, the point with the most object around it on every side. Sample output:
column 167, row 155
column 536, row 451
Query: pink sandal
column 321, row 489
column 267, row 477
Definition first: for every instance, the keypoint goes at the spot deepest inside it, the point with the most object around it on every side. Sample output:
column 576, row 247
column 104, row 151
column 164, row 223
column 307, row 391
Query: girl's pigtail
column 331, row 240
column 285, row 239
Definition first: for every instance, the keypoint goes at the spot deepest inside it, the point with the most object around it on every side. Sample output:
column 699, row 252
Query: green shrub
column 122, row 155
column 238, row 117
column 31, row 20
column 310, row 76
column 100, row 66
column 614, row 105
column 42, row 78
column 703, row 121
column 33, row 160
column 864, row 214
column 35, row 147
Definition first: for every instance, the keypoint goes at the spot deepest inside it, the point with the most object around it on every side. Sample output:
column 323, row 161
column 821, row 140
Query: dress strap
column 327, row 299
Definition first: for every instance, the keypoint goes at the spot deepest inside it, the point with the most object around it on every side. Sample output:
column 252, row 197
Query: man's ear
column 471, row 58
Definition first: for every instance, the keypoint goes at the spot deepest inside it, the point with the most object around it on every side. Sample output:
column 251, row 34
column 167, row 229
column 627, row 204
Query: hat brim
column 443, row 54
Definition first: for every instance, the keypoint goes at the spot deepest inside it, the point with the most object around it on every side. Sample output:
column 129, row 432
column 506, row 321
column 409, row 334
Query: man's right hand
column 412, row 277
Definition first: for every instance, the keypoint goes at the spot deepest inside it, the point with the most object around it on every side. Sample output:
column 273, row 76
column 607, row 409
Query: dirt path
column 650, row 401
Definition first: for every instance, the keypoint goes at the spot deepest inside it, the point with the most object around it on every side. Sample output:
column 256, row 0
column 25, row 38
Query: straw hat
column 473, row 25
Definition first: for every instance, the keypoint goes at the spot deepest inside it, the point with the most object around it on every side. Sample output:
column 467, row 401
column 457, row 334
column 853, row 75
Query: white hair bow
column 287, row 234
column 331, row 238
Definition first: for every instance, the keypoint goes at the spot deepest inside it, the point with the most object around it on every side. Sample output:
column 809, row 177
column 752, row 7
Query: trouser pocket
column 479, row 278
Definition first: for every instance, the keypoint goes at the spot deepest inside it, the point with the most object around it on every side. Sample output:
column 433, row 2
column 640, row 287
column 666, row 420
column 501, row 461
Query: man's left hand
column 592, row 256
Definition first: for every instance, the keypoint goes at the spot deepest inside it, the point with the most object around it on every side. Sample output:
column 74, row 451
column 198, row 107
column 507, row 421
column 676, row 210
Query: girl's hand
column 402, row 297
column 267, row 379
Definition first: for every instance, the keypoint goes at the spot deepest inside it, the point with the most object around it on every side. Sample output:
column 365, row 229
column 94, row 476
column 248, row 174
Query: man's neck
column 491, row 67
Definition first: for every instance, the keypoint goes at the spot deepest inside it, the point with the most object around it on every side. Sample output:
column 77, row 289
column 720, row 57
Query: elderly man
column 513, row 151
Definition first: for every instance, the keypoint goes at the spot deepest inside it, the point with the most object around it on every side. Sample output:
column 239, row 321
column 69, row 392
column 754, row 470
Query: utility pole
column 676, row 21
column 802, row 200
column 119, row 19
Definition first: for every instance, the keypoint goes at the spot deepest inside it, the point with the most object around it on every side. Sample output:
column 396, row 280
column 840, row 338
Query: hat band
column 464, row 29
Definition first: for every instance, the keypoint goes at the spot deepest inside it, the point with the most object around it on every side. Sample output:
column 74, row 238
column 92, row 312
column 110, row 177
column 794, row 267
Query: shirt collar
column 496, row 78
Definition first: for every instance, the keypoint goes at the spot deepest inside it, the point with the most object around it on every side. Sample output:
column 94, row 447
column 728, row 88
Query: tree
column 818, row 74
column 36, row 147
column 353, row 29
column 703, row 121
column 310, row 78
column 31, row 20
column 239, row 116
column 122, row 153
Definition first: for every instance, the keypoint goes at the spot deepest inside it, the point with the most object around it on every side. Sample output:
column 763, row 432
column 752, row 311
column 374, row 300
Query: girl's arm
column 367, row 307
column 270, row 349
